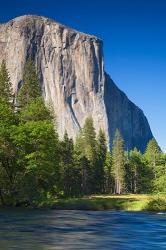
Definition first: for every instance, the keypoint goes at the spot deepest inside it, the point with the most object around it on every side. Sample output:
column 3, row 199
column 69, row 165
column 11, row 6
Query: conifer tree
column 160, row 180
column 135, row 172
column 118, row 163
column 108, row 177
column 152, row 154
column 70, row 171
column 101, row 151
column 83, row 164
column 89, row 139
column 30, row 88
column 86, row 150
column 89, row 149
column 5, row 84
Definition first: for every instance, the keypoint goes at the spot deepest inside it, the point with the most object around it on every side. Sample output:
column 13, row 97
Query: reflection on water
column 51, row 229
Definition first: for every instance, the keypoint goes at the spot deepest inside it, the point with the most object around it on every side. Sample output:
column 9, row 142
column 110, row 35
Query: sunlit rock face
column 71, row 71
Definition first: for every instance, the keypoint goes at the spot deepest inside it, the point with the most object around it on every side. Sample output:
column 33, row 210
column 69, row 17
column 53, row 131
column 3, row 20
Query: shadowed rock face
column 126, row 116
column 71, row 71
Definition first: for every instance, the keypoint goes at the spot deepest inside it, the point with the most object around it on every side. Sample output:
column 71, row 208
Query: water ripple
column 49, row 230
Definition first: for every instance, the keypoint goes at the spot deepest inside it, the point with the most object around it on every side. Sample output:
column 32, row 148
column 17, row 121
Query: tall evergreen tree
column 133, row 171
column 160, row 180
column 69, row 171
column 30, row 88
column 108, row 177
column 89, row 149
column 152, row 154
column 83, row 164
column 118, row 163
column 101, row 152
column 86, row 149
column 89, row 139
column 5, row 84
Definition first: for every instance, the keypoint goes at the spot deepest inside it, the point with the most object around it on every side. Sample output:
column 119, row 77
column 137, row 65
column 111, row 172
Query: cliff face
column 71, row 71
column 126, row 116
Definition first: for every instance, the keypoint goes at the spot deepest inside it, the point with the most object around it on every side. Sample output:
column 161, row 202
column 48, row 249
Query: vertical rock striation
column 73, row 81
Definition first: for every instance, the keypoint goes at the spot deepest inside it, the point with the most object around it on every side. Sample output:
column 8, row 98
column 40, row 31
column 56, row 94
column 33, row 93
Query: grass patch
column 128, row 202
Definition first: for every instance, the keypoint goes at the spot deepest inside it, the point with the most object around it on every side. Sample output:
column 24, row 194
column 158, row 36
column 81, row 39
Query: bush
column 157, row 204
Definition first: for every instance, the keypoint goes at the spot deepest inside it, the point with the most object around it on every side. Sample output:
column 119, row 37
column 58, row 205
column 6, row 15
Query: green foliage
column 156, row 204
column 101, row 152
column 70, row 172
column 137, row 174
column 89, row 140
column 152, row 154
column 5, row 84
column 156, row 162
column 108, row 177
column 30, row 89
column 118, row 163
column 86, row 155
column 8, row 168
column 160, row 180
column 82, row 163
column 35, row 111
column 38, row 144
column 29, row 147
column 36, row 141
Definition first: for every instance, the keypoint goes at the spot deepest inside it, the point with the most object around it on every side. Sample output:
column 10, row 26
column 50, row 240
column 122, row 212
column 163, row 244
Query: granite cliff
column 72, row 77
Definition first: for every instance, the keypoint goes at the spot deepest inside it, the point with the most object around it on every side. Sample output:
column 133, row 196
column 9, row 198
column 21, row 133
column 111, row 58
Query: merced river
column 44, row 229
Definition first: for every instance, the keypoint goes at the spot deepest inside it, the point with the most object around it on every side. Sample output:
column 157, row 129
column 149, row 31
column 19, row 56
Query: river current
column 51, row 229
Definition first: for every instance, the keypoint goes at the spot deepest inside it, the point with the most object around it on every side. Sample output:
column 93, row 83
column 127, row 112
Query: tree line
column 36, row 165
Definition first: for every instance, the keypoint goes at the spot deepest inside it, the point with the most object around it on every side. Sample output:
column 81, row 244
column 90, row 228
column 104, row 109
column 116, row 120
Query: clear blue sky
column 134, row 36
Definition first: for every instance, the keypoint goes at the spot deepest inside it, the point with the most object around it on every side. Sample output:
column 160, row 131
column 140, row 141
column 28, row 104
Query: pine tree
column 70, row 170
column 85, row 149
column 160, row 180
column 118, row 163
column 89, row 139
column 101, row 152
column 108, row 177
column 67, row 161
column 152, row 154
column 89, row 148
column 30, row 89
column 135, row 171
column 5, row 84
column 83, row 164
column 36, row 110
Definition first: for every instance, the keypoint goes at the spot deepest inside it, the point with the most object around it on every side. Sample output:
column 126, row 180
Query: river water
column 52, row 229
